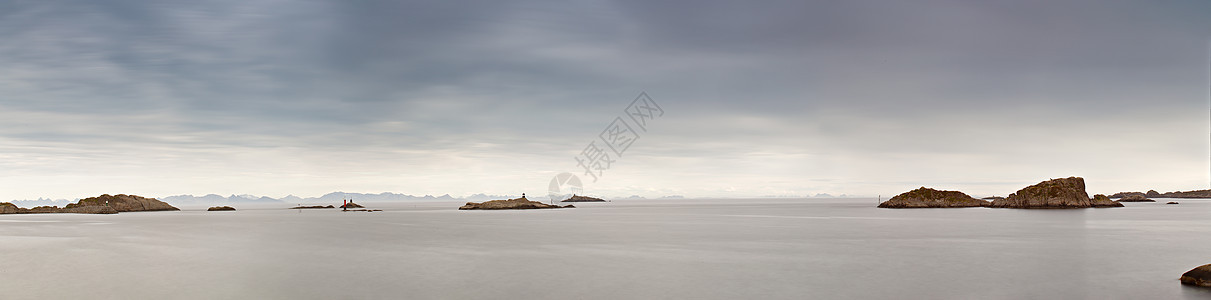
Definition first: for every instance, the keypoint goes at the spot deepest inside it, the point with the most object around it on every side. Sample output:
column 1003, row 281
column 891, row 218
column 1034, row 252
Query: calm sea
column 637, row 249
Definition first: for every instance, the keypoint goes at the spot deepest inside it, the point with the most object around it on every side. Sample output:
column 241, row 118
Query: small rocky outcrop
column 1170, row 202
column 350, row 204
column 1055, row 193
column 1136, row 197
column 104, row 204
column 221, row 208
column 1200, row 276
column 313, row 207
column 576, row 198
column 1100, row 200
column 1126, row 194
column 517, row 203
column 924, row 197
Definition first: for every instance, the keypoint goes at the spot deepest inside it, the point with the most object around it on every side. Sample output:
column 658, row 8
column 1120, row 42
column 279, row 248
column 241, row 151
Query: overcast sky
column 867, row 98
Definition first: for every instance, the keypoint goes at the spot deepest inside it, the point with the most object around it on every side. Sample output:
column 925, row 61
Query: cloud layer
column 463, row 97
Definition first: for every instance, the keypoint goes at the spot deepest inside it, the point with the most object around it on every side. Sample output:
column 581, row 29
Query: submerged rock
column 576, row 198
column 1138, row 197
column 221, row 208
column 1100, row 200
column 518, row 203
column 1055, row 193
column 930, row 198
column 1200, row 276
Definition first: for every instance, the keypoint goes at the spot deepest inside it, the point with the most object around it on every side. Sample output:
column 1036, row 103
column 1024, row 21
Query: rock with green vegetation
column 1200, row 276
column 517, row 203
column 1100, row 200
column 930, row 198
column 221, row 208
column 1055, row 193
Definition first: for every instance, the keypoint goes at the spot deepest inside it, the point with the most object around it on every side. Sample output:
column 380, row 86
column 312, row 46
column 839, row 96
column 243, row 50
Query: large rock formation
column 1056, row 193
column 1136, row 197
column 576, row 198
column 1200, row 276
column 104, row 204
column 518, row 203
column 1100, row 200
column 930, row 198
column 123, row 203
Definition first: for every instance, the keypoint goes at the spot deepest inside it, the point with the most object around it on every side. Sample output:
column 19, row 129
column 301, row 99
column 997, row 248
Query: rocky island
column 1055, row 193
column 313, row 207
column 576, row 198
column 221, row 208
column 1200, row 276
column 104, row 204
column 1137, row 197
column 930, row 198
column 1155, row 194
column 517, row 203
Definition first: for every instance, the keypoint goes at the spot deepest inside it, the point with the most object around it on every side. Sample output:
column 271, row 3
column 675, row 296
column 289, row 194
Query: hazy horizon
column 776, row 98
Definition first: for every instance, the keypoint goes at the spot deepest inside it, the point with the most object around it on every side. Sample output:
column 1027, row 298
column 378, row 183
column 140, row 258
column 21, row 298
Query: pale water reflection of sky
column 460, row 97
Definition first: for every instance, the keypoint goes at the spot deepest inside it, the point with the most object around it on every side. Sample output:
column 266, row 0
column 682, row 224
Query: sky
column 759, row 98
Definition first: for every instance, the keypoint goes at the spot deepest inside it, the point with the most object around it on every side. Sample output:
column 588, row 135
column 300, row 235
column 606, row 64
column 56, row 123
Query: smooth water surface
column 638, row 249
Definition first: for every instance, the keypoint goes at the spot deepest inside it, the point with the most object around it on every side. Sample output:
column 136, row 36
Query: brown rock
column 9, row 208
column 576, row 198
column 930, row 198
column 518, row 203
column 221, row 208
column 123, row 203
column 1200, row 276
column 1135, row 198
column 1056, row 193
column 1100, row 200
column 104, row 204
